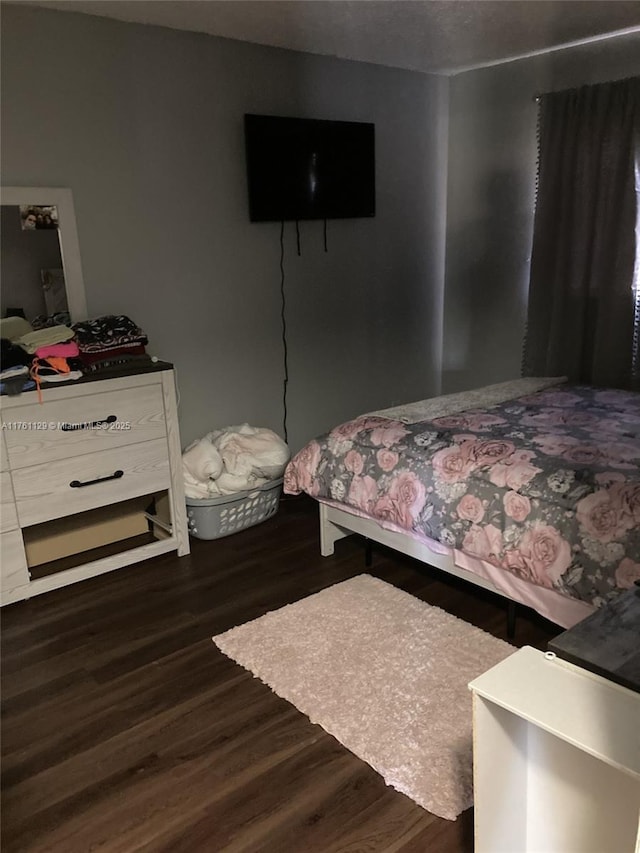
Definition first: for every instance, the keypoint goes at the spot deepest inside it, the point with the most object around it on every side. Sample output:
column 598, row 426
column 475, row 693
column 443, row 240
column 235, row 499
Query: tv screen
column 309, row 169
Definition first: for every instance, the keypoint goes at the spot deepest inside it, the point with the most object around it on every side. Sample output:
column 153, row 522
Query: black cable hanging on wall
column 283, row 318
column 285, row 355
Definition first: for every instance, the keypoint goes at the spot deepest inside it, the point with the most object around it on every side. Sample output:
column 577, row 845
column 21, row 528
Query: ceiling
column 441, row 36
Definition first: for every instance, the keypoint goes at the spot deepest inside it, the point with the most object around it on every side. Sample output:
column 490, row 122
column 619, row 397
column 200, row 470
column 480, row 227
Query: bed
column 530, row 489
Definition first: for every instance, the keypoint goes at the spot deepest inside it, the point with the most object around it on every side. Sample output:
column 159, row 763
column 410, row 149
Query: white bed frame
column 335, row 524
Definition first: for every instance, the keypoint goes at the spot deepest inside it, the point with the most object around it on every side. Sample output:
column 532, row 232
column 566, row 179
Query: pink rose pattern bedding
column 545, row 486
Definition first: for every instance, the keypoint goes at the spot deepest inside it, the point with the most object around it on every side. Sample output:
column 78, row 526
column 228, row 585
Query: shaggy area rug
column 385, row 674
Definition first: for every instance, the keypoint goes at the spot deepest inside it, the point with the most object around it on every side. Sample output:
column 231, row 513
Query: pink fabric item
column 68, row 349
column 560, row 609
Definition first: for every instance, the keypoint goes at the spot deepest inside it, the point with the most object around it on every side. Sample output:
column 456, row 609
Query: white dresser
column 91, row 480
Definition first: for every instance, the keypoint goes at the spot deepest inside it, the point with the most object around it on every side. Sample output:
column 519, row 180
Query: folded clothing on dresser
column 113, row 353
column 57, row 353
column 15, row 363
column 15, row 385
column 54, row 369
column 10, row 372
column 13, row 355
column 108, row 333
column 115, row 361
column 110, row 343
column 14, row 379
column 14, row 327
column 33, row 341
column 67, row 349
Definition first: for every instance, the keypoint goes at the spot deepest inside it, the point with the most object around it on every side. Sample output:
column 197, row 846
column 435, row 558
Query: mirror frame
column 67, row 237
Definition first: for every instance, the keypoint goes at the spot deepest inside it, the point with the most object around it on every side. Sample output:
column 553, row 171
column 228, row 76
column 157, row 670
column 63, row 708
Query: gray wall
column 491, row 196
column 144, row 124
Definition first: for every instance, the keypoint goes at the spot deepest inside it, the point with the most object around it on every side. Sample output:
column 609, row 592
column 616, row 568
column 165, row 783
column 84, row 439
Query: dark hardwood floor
column 124, row 728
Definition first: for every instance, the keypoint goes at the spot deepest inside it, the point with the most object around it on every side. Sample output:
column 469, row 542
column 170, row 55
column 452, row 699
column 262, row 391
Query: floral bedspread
column 546, row 486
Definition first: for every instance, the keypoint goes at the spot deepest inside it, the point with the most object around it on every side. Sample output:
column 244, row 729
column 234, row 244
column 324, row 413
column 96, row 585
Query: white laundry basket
column 212, row 518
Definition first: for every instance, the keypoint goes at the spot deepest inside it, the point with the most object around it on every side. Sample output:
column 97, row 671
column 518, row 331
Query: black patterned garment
column 108, row 332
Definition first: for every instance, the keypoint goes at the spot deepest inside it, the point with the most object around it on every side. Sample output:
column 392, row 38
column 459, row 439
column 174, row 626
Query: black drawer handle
column 92, row 425
column 79, row 484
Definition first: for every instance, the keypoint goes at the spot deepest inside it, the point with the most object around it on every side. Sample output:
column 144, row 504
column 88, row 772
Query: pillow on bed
column 451, row 404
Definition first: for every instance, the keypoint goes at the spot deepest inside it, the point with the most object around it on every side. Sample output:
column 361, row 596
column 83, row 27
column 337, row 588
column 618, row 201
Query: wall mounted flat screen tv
column 309, row 169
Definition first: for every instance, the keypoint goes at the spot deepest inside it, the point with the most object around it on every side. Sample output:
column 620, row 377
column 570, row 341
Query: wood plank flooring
column 125, row 729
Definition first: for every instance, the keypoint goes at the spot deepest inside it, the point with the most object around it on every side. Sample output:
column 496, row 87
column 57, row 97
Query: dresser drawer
column 4, row 458
column 13, row 563
column 44, row 492
column 61, row 429
column 8, row 515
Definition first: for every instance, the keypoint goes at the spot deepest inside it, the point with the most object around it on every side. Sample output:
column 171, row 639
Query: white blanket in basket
column 233, row 459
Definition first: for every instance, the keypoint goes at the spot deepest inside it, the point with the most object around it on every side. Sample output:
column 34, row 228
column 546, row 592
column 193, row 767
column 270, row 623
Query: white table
column 556, row 759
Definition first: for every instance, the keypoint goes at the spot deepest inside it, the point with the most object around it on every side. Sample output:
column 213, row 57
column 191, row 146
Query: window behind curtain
column 584, row 299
